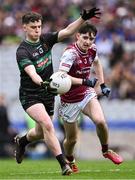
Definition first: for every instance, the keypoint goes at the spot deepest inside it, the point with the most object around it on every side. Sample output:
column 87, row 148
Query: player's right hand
column 46, row 86
column 89, row 82
column 88, row 14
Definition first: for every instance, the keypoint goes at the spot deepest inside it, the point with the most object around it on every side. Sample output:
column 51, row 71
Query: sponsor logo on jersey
column 43, row 62
column 66, row 65
column 46, row 47
column 83, row 71
column 91, row 60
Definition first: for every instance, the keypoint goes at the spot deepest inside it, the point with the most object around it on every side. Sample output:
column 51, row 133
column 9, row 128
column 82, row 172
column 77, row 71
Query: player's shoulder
column 48, row 36
column 69, row 53
column 70, row 49
column 93, row 47
column 22, row 45
column 22, row 48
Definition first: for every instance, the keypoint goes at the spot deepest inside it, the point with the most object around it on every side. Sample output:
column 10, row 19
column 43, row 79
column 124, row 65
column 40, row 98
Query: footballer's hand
column 88, row 14
column 89, row 82
column 46, row 86
column 105, row 90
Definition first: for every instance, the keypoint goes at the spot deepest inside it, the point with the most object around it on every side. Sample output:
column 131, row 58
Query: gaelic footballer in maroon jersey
column 79, row 66
column 77, row 61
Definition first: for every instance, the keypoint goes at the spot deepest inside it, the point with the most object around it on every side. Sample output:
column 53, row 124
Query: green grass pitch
column 49, row 169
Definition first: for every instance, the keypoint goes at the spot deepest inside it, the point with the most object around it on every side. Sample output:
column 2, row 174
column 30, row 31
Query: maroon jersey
column 77, row 64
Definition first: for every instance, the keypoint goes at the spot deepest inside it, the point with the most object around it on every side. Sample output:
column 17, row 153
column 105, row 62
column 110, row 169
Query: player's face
column 33, row 31
column 84, row 41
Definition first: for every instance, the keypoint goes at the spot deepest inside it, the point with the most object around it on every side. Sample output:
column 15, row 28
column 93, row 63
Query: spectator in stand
column 6, row 131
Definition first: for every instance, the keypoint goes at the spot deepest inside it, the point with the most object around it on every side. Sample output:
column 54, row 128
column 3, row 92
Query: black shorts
column 28, row 99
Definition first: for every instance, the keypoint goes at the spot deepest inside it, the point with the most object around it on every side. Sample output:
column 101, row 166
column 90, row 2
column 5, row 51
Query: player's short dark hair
column 87, row 28
column 31, row 17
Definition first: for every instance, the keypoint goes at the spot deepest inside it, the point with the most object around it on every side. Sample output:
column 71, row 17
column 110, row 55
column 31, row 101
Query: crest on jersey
column 45, row 47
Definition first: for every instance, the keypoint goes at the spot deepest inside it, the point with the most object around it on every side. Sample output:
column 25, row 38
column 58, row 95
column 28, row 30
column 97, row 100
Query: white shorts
column 69, row 111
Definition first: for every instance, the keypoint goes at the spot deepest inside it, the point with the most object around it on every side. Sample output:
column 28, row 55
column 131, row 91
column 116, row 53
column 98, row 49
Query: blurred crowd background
column 115, row 40
column 115, row 43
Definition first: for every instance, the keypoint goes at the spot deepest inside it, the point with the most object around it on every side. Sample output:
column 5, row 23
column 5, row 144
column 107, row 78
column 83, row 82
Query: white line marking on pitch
column 54, row 172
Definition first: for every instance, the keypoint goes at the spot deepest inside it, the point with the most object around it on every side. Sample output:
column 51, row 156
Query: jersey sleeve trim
column 24, row 63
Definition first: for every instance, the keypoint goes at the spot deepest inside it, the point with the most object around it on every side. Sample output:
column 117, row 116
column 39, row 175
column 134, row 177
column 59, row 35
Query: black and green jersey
column 39, row 55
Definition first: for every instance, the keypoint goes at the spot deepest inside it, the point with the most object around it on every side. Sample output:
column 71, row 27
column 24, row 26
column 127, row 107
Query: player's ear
column 77, row 35
column 24, row 27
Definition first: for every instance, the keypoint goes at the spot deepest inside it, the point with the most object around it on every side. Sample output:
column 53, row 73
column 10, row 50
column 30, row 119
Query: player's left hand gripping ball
column 46, row 86
column 105, row 90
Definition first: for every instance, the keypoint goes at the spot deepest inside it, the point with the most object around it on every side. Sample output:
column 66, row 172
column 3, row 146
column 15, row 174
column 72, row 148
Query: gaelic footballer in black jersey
column 39, row 55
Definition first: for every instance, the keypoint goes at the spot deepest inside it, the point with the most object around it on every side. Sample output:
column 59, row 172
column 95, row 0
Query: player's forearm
column 99, row 72
column 73, row 27
column 37, row 79
column 70, row 29
column 85, row 82
column 30, row 70
column 76, row 81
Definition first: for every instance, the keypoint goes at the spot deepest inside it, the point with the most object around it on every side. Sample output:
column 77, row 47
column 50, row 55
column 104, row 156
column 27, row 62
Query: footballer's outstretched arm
column 70, row 29
column 74, row 26
column 31, row 71
column 74, row 80
column 79, row 81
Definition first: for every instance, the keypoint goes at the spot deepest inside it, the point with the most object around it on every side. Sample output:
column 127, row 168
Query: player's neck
column 32, row 41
